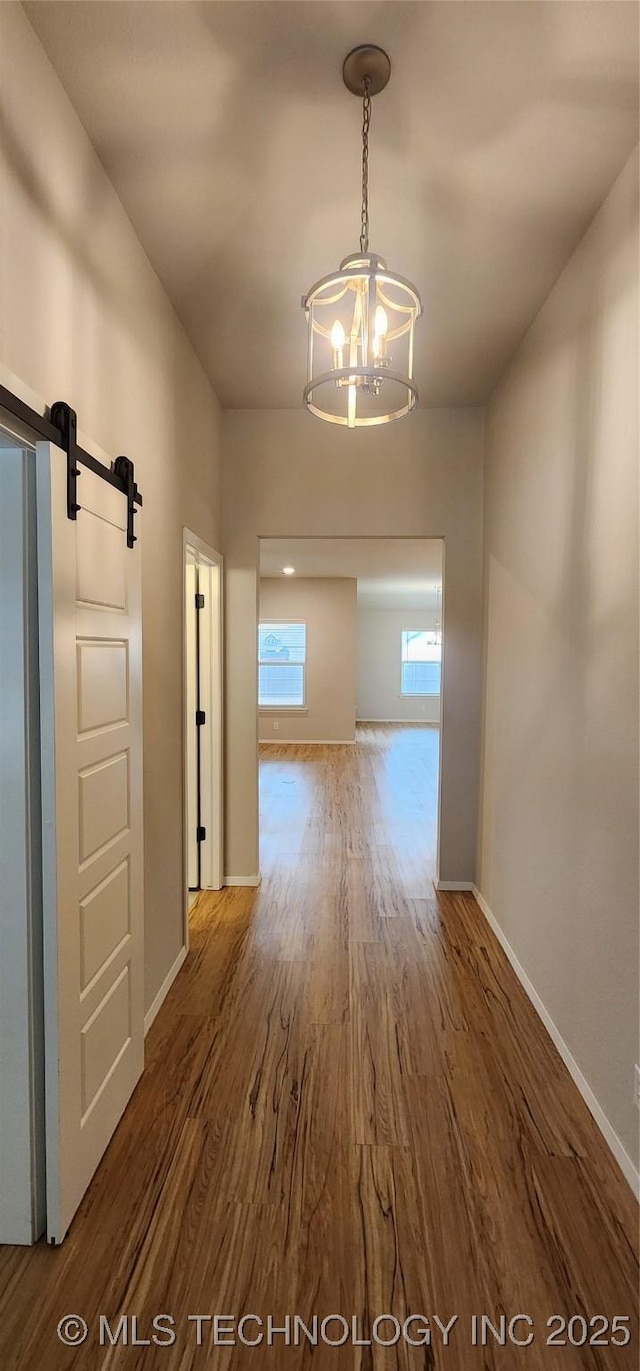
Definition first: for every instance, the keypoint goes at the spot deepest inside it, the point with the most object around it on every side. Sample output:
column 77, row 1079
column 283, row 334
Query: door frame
column 212, row 795
column 22, row 1140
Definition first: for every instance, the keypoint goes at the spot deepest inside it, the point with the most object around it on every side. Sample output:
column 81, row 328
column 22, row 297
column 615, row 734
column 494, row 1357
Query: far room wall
column 328, row 607
column 379, row 667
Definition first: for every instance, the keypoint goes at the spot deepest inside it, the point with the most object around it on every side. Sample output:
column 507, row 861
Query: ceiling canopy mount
column 366, row 63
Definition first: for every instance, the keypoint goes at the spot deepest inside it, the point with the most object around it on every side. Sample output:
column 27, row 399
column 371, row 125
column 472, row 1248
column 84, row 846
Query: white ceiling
column 235, row 149
column 392, row 573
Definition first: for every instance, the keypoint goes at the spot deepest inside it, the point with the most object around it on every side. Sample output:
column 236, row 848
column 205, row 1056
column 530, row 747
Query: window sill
column 419, row 697
column 282, row 709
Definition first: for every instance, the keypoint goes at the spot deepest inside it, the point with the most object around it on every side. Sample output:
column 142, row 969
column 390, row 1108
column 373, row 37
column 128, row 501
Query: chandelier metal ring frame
column 354, row 314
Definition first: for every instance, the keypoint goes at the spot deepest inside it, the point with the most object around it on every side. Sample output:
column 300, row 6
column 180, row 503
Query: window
column 421, row 660
column 282, row 655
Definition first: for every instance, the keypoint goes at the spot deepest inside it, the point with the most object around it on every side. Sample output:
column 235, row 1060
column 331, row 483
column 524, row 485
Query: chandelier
column 361, row 318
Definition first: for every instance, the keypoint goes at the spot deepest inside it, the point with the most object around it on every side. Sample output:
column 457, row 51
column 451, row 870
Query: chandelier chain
column 366, row 121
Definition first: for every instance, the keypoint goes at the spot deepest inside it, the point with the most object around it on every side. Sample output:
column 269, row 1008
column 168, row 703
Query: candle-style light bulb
column 337, row 343
column 381, row 325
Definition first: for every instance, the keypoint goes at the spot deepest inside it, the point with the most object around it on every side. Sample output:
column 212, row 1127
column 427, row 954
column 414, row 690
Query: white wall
column 329, row 607
column 379, row 666
column 287, row 474
column 558, row 851
column 83, row 318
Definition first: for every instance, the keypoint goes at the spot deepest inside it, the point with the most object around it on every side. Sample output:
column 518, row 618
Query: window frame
column 415, row 694
column 283, row 709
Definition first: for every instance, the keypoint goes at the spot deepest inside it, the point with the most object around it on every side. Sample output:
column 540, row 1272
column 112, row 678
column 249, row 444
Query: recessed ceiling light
column 288, row 571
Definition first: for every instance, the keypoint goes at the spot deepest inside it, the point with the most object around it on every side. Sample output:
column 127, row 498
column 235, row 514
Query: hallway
column 349, row 1107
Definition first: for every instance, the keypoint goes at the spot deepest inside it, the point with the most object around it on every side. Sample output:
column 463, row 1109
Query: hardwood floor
column 350, row 1107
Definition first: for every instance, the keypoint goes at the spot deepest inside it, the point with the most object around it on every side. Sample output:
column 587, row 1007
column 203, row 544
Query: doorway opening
column 202, row 712
column 350, row 648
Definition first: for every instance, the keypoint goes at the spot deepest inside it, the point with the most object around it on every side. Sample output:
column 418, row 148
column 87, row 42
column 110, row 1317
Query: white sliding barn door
column 91, row 701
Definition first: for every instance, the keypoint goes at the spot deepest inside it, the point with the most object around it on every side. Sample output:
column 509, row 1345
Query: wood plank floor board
column 453, row 1257
column 496, row 1193
column 349, row 1107
column 327, row 995
column 378, row 1106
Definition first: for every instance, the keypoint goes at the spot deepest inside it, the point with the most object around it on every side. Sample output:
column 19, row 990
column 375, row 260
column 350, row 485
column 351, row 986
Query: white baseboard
column 243, row 880
column 454, row 885
column 307, row 742
column 161, row 996
column 631, row 1175
column 426, row 723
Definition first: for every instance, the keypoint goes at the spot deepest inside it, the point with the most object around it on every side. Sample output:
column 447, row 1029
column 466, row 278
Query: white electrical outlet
column 276, row 726
column 636, row 1086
